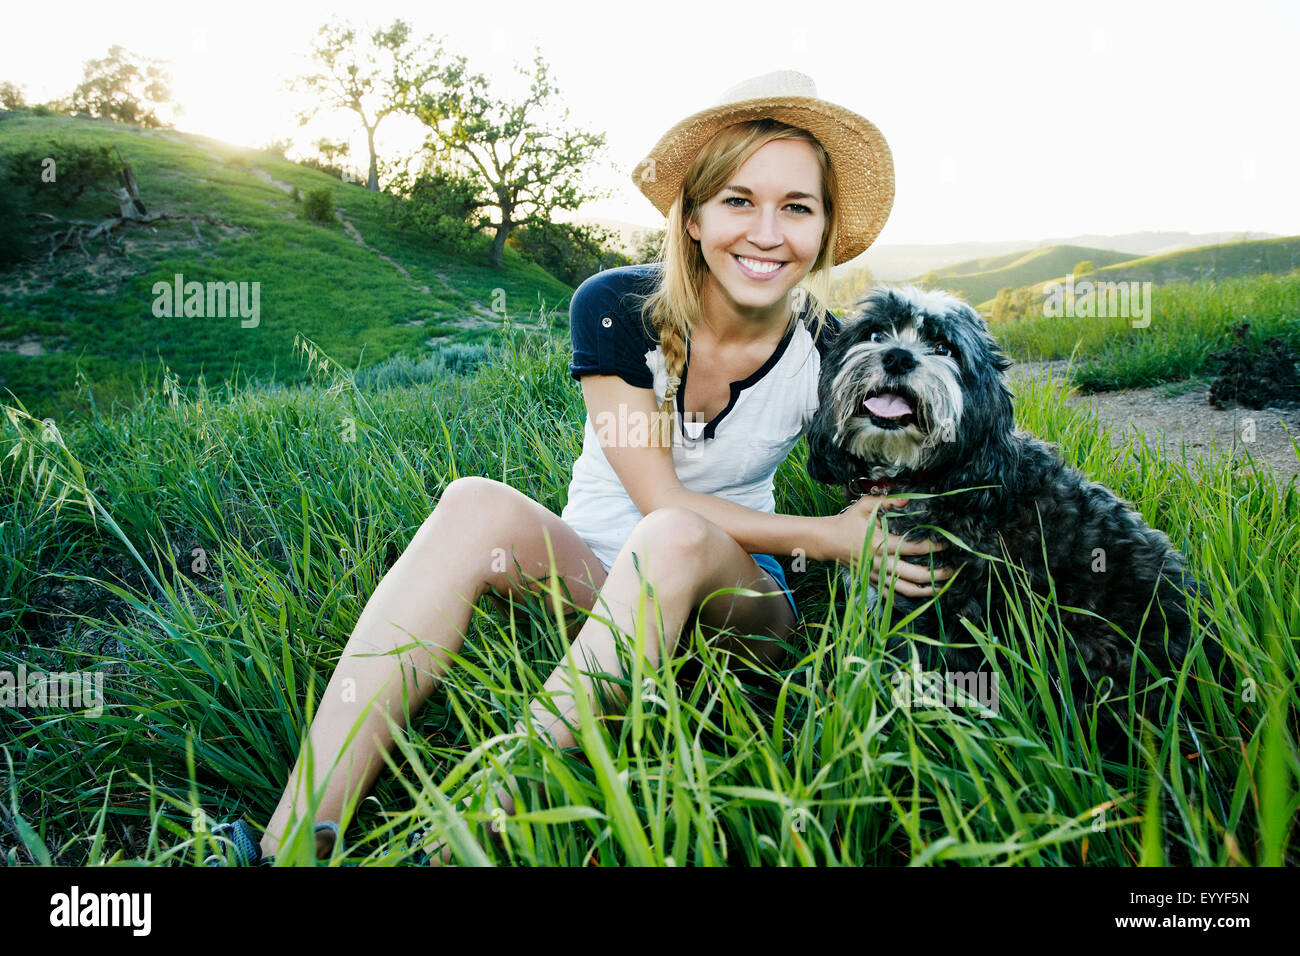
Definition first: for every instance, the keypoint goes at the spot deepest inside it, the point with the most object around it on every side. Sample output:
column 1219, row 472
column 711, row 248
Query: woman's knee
column 470, row 515
column 493, row 527
column 471, row 505
column 675, row 540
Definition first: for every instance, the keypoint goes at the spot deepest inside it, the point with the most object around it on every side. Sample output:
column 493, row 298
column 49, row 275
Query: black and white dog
column 912, row 399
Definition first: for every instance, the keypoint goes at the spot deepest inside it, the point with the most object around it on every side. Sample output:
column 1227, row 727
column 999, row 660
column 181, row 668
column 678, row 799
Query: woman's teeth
column 758, row 266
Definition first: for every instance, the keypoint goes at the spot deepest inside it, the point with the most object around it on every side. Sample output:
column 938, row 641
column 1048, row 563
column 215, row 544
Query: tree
column 439, row 203
column 278, row 146
column 369, row 77
column 1014, row 303
column 648, row 246
column 530, row 169
column 1086, row 267
column 568, row 251
column 124, row 88
column 330, row 151
column 11, row 96
column 847, row 289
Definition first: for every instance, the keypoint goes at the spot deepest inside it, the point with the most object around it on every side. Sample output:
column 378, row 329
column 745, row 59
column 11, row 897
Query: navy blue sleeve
column 605, row 325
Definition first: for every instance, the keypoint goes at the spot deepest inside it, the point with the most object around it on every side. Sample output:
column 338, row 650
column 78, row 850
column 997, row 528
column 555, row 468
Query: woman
column 770, row 186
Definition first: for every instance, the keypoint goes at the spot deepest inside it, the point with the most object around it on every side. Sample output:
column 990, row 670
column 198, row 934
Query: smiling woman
column 681, row 512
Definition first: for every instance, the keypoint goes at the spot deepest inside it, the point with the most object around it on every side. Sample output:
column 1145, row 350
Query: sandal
column 244, row 849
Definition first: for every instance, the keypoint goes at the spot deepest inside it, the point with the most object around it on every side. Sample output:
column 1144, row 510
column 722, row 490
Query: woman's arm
column 651, row 481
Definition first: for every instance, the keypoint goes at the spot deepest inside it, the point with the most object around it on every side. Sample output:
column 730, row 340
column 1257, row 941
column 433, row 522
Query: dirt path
column 1168, row 419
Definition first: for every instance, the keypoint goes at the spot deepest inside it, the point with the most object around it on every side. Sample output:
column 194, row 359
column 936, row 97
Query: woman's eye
column 798, row 207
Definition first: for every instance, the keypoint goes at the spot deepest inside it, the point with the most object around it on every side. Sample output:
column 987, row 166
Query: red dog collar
column 861, row 486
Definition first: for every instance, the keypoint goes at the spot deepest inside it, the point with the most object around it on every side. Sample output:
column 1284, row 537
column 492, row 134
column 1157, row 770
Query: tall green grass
column 1189, row 324
column 299, row 500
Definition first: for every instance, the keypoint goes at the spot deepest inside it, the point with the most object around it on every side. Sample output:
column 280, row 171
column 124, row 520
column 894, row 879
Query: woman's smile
column 759, row 269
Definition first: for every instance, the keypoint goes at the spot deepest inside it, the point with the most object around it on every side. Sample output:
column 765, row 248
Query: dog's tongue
column 888, row 405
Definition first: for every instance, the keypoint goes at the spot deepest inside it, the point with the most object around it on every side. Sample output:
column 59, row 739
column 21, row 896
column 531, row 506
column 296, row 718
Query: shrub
column 318, row 204
column 402, row 370
column 398, row 371
column 313, row 162
column 569, row 252
column 438, row 203
column 461, row 359
column 78, row 168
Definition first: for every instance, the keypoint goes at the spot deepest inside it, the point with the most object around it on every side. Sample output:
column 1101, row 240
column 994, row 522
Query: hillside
column 1210, row 263
column 980, row 279
column 359, row 286
column 894, row 261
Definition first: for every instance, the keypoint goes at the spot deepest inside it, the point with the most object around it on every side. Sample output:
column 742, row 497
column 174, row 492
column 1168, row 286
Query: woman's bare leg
column 429, row 595
column 685, row 557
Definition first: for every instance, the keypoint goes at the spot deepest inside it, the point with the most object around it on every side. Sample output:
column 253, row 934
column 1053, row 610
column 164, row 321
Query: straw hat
column 863, row 164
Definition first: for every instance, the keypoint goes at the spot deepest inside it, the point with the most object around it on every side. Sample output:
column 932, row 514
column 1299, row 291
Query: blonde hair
column 674, row 306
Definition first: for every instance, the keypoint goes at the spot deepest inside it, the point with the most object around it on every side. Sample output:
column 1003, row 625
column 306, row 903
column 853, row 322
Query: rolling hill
column 980, row 279
column 1210, row 263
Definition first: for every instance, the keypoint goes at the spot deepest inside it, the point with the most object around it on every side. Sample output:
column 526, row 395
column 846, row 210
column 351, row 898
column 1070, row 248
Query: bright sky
column 1007, row 120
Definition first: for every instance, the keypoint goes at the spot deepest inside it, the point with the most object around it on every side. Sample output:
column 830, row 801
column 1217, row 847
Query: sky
column 1006, row 120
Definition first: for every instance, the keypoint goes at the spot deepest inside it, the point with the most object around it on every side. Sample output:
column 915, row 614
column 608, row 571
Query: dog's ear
column 826, row 462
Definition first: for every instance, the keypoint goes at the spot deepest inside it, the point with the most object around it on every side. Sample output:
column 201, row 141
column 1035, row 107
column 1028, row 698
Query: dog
column 912, row 398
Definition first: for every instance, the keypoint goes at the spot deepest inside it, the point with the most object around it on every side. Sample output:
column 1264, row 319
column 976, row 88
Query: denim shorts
column 773, row 567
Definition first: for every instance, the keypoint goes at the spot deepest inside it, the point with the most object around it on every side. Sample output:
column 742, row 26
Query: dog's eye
column 945, row 348
column 876, row 336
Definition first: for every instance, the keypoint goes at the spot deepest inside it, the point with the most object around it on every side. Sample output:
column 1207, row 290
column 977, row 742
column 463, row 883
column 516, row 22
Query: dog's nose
column 898, row 361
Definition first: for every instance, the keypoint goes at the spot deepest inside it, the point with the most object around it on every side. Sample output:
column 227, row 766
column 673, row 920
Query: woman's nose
column 766, row 230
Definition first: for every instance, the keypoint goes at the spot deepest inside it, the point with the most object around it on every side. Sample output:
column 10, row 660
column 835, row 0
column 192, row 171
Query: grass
column 1190, row 322
column 214, row 547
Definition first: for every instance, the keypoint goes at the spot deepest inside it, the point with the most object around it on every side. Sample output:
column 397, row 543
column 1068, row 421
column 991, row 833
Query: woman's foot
column 440, row 853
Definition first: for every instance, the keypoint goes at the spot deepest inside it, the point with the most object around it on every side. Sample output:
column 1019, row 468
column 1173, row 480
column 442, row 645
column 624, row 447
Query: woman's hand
column 848, row 534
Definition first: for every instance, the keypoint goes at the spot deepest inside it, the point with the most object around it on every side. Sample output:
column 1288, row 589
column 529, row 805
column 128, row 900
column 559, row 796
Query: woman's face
column 761, row 233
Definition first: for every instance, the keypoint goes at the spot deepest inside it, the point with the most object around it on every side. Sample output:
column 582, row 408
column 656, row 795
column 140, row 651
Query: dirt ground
column 1169, row 415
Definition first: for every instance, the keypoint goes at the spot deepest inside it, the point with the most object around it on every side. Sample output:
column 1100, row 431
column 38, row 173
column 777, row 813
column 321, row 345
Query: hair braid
column 673, row 345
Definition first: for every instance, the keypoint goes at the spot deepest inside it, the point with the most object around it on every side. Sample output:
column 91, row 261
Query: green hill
column 357, row 285
column 1204, row 263
column 980, row 279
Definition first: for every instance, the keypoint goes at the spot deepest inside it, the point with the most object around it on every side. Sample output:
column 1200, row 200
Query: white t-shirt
column 733, row 456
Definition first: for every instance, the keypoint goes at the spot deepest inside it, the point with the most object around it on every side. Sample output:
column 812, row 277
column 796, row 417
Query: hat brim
column 864, row 166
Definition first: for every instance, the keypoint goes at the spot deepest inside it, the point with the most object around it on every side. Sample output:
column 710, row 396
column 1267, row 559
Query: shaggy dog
column 912, row 399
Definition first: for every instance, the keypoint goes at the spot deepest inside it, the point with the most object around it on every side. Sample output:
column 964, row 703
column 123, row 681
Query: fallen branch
column 82, row 230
